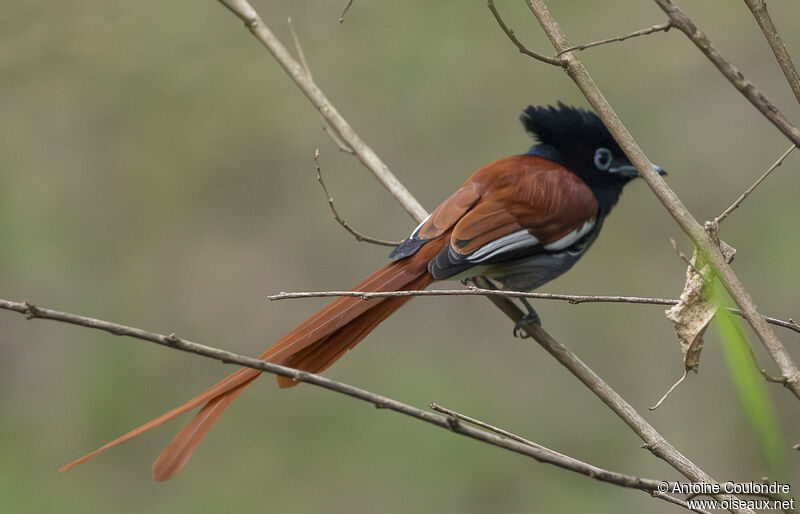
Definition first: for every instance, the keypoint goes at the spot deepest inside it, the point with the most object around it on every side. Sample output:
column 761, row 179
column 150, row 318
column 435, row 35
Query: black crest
column 563, row 127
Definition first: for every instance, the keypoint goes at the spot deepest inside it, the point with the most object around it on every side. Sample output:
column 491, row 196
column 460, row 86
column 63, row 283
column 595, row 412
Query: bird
column 520, row 221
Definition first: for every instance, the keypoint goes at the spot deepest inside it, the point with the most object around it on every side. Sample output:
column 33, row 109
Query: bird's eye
column 602, row 159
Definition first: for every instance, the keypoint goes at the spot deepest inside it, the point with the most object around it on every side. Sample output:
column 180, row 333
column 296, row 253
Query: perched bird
column 521, row 221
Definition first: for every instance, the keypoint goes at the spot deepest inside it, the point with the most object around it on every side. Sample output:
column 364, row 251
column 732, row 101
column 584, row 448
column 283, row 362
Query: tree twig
column 682, row 22
column 555, row 61
column 343, row 146
column 365, row 154
column 644, row 32
column 684, row 258
column 358, row 235
column 575, row 464
column 477, row 291
column 344, row 11
column 750, row 189
column 759, row 10
column 670, row 390
column 701, row 238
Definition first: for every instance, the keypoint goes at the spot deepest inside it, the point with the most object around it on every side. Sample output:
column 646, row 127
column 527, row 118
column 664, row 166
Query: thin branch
column 770, row 378
column 644, row 32
column 670, row 390
column 344, row 11
column 684, row 258
column 365, row 154
column 555, row 61
column 572, row 463
column 358, row 235
column 681, row 21
column 759, row 10
column 492, row 428
column 701, row 238
column 477, row 291
column 750, row 189
column 300, row 54
column 343, row 146
column 523, row 447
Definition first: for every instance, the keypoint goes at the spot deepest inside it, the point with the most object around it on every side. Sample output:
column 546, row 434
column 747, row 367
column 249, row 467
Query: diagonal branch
column 701, row 238
column 365, row 154
column 750, row 189
column 555, row 61
column 681, row 21
column 759, row 10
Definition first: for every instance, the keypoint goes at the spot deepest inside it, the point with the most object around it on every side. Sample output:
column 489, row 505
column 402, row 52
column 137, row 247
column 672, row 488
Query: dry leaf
column 693, row 312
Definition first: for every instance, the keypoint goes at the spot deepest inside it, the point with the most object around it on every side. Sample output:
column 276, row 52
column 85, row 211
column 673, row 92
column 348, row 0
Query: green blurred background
column 156, row 169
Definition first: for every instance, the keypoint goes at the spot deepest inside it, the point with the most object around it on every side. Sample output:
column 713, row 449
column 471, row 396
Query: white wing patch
column 570, row 238
column 514, row 241
column 416, row 230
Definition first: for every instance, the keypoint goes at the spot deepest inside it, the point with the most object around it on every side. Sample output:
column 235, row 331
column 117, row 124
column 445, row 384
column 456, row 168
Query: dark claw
column 532, row 318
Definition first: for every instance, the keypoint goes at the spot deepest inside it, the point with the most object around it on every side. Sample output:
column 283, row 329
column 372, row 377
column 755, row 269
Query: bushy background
column 156, row 169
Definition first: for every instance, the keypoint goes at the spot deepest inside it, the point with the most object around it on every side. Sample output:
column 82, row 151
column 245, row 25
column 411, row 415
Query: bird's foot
column 532, row 318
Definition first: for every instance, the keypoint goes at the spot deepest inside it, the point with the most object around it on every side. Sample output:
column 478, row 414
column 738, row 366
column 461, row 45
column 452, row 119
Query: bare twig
column 300, row 54
column 669, row 391
column 555, row 61
column 701, row 238
column 477, row 291
column 644, row 32
column 682, row 22
column 523, row 447
column 358, row 235
column 343, row 146
column 684, row 258
column 574, row 464
column 487, row 426
column 759, row 10
column 750, row 189
column 344, row 11
column 365, row 154
column 771, row 378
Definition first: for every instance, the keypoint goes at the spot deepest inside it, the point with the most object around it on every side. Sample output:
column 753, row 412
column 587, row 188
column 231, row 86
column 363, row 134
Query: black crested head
column 578, row 140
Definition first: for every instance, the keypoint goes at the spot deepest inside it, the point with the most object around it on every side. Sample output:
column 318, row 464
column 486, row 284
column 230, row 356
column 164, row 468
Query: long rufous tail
column 313, row 346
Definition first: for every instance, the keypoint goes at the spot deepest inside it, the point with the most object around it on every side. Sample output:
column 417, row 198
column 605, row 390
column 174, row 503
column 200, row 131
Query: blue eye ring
column 602, row 159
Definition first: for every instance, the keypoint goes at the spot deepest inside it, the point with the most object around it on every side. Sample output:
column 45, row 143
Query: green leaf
column 749, row 384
